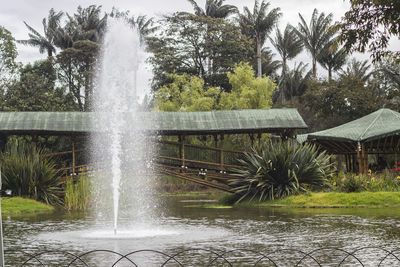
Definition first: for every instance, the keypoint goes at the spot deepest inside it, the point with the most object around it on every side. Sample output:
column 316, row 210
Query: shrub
column 353, row 183
column 29, row 174
column 280, row 168
column 77, row 193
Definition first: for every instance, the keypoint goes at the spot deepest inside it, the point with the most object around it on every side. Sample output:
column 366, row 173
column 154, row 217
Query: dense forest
column 217, row 57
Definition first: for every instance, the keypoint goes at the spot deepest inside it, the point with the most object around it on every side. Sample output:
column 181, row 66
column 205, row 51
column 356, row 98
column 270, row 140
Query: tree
column 188, row 41
column 269, row 64
column 8, row 54
column 214, row 9
column 257, row 25
column 369, row 25
column 296, row 80
column 45, row 43
column 76, row 70
column 186, row 93
column 36, row 90
column 341, row 101
column 144, row 26
column 288, row 45
column 358, row 69
column 315, row 36
column 247, row 92
column 332, row 58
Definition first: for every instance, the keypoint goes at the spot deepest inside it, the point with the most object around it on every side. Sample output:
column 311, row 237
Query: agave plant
column 28, row 174
column 280, row 168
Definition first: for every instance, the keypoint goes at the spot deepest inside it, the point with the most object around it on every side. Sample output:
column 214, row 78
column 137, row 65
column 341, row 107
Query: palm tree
column 50, row 26
column 257, row 25
column 296, row 80
column 269, row 64
column 288, row 45
column 332, row 58
column 214, row 9
column 315, row 36
column 358, row 69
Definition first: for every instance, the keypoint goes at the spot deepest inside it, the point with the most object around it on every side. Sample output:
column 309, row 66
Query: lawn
column 18, row 205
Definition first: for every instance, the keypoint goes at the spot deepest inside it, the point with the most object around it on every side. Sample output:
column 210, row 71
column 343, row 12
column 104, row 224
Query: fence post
column 1, row 232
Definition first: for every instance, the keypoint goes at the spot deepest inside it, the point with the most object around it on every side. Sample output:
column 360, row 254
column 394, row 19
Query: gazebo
column 376, row 133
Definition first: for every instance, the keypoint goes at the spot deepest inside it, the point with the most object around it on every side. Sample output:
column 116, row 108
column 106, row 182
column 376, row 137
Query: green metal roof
column 379, row 124
column 168, row 123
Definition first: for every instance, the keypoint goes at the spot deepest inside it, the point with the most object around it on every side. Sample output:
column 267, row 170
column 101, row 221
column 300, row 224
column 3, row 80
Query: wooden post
column 259, row 139
column 359, row 160
column 364, row 158
column 395, row 160
column 221, row 154
column 217, row 157
column 182, row 149
column 346, row 158
column 73, row 156
column 252, row 139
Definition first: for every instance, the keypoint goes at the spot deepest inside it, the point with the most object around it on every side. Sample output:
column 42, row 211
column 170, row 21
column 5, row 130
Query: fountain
column 122, row 150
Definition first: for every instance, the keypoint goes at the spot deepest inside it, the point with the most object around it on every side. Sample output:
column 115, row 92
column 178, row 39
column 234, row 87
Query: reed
column 77, row 193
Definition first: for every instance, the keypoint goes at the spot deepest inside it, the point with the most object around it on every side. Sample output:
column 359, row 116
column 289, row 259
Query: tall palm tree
column 316, row 35
column 332, row 58
column 258, row 24
column 50, row 26
column 288, row 45
column 214, row 9
column 359, row 69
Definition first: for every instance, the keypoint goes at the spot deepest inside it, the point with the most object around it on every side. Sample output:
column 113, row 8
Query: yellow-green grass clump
column 338, row 200
column 19, row 205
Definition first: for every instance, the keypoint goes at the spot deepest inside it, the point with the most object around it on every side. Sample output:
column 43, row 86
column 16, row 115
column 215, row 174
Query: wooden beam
column 73, row 156
column 359, row 161
column 221, row 153
column 182, row 150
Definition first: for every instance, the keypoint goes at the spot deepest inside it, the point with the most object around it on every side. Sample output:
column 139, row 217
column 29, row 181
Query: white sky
column 14, row 12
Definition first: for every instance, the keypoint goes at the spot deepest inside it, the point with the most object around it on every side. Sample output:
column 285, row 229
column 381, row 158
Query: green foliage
column 338, row 102
column 36, row 90
column 247, row 91
column 186, row 93
column 359, row 27
column 206, row 47
column 8, row 54
column 29, row 174
column 77, row 194
column 373, row 182
column 278, row 169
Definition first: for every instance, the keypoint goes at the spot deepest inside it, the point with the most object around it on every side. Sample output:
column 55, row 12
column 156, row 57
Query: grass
column 338, row 200
column 19, row 205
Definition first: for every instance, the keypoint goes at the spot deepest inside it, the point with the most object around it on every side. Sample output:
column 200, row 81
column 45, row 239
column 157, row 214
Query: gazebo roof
column 379, row 131
column 379, row 124
column 164, row 123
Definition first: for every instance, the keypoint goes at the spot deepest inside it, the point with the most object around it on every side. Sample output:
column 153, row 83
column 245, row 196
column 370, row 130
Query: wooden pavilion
column 376, row 133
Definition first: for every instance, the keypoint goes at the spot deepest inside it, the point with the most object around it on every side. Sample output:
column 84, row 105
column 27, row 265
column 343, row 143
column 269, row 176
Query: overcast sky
column 14, row 12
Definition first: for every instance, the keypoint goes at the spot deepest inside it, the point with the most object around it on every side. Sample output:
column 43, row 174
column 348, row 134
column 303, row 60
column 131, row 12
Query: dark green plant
column 353, row 183
column 280, row 168
column 77, row 194
column 27, row 173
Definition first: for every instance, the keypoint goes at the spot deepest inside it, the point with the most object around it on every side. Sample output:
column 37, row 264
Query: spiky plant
column 280, row 168
column 28, row 174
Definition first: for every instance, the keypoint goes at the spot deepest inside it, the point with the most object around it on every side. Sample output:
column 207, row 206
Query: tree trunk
column 283, row 86
column 259, row 66
column 329, row 74
column 314, row 67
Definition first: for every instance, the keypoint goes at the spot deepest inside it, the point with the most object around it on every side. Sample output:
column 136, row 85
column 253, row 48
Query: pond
column 184, row 225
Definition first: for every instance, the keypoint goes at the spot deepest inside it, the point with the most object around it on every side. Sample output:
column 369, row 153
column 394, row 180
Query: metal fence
column 377, row 256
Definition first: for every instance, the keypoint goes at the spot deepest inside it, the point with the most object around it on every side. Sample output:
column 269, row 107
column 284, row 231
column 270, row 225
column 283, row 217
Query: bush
column 29, row 174
column 353, row 184
column 280, row 168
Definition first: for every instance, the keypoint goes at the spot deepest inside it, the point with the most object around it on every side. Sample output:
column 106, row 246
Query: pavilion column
column 73, row 155
column 182, row 149
column 217, row 157
column 360, row 167
column 365, row 159
column 395, row 159
column 221, row 154
column 346, row 158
